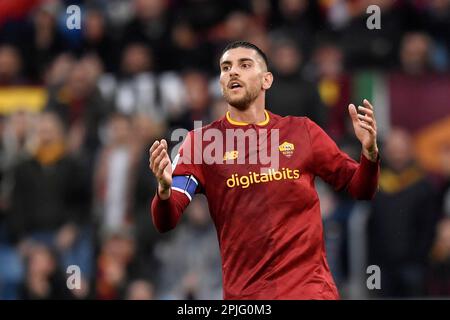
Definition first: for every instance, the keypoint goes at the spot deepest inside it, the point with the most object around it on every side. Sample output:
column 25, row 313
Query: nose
column 234, row 72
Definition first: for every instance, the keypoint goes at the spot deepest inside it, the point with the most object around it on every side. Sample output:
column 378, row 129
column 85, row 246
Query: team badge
column 287, row 149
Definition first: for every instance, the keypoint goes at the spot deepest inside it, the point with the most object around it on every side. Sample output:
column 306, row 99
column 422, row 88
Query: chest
column 261, row 162
column 266, row 176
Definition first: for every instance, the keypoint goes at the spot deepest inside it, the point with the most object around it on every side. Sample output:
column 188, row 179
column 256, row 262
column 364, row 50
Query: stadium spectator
column 97, row 40
column 16, row 132
column 402, row 221
column 374, row 48
column 140, row 290
column 190, row 264
column 188, row 50
column 334, row 86
column 113, row 175
column 78, row 101
column 297, row 19
column 44, row 279
column 44, row 41
column 151, row 24
column 206, row 14
column 415, row 55
column 114, row 265
column 139, row 90
column 292, row 94
column 197, row 102
column 144, row 132
column 10, row 66
column 50, row 197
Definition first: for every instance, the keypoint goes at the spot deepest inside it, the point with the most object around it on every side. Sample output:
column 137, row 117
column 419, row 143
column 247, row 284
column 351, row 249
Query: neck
column 253, row 114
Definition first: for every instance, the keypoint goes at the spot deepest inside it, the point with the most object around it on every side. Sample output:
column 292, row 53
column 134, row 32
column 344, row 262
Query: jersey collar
column 239, row 123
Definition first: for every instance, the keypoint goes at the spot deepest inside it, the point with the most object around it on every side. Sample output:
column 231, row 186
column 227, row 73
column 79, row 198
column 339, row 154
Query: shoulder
column 217, row 124
column 291, row 120
column 299, row 126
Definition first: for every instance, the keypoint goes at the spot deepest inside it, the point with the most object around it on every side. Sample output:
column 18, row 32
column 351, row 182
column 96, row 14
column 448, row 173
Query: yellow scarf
column 49, row 154
column 392, row 182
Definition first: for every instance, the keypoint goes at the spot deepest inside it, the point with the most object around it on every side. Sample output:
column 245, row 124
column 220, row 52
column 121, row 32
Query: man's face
column 49, row 129
column 243, row 77
column 398, row 149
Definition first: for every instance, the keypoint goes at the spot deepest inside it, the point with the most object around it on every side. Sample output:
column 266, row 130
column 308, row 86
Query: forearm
column 166, row 213
column 364, row 183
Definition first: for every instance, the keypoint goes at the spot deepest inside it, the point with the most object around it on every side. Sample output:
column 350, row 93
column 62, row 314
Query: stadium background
column 79, row 109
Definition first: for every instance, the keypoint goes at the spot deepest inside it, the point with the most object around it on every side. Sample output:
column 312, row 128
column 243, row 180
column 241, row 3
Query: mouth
column 234, row 85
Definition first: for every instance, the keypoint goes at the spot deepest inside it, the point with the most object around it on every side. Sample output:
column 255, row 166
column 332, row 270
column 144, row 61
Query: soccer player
column 268, row 219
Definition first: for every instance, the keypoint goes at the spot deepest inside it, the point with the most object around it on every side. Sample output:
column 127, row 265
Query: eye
column 245, row 65
column 225, row 68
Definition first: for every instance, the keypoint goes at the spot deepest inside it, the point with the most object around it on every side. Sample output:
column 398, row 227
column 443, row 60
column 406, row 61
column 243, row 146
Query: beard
column 243, row 101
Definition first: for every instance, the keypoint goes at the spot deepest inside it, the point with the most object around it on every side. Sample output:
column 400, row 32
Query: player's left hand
column 365, row 127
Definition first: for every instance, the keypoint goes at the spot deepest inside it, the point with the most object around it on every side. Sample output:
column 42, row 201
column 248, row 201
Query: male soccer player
column 268, row 219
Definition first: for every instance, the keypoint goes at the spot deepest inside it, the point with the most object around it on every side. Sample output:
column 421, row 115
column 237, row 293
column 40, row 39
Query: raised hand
column 159, row 163
column 365, row 127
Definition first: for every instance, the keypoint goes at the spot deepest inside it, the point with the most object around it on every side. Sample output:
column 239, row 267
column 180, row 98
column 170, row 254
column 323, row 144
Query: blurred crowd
column 75, row 188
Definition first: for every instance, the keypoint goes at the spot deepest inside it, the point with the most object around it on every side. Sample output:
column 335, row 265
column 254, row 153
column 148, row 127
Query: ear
column 267, row 80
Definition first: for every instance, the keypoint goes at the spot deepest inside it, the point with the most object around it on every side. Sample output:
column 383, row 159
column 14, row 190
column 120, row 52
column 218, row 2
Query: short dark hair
column 248, row 45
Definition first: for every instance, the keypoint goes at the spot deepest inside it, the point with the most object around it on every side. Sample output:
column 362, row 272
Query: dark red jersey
column 267, row 215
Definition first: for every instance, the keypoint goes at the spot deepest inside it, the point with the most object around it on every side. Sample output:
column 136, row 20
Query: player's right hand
column 159, row 163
